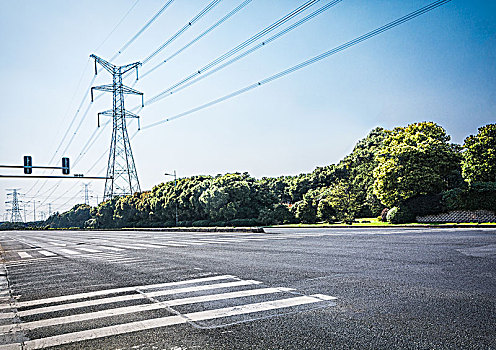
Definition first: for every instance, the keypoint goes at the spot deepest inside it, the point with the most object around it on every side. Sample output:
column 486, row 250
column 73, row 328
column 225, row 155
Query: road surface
column 385, row 288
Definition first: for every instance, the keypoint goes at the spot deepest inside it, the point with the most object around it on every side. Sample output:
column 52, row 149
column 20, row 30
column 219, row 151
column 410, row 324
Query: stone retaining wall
column 460, row 216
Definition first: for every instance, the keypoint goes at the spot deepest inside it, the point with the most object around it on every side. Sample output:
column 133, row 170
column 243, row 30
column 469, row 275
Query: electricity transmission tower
column 122, row 177
column 15, row 212
column 86, row 196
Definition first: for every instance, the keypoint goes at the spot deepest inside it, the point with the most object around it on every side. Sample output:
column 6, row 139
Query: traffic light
column 28, row 164
column 65, row 166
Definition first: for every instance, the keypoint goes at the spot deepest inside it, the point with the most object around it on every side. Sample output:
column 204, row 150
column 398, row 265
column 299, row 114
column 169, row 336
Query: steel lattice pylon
column 15, row 212
column 121, row 171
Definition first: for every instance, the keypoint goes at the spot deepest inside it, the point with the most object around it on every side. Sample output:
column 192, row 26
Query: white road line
column 201, row 288
column 70, row 252
column 128, row 246
column 186, row 242
column 119, row 290
column 89, row 250
column 168, row 321
column 24, row 255
column 58, row 244
column 128, row 297
column 46, row 253
column 111, row 248
column 136, row 308
column 172, row 245
column 79, row 305
column 6, row 315
column 223, row 296
column 147, row 245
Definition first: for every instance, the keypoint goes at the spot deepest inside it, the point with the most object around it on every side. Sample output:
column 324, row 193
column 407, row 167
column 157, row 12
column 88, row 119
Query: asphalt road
column 299, row 289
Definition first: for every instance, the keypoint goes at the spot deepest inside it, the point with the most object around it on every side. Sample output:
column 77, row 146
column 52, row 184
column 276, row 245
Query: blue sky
column 438, row 67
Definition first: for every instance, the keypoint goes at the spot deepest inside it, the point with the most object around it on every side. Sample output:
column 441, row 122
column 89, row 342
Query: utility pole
column 49, row 209
column 121, row 170
column 175, row 190
column 15, row 212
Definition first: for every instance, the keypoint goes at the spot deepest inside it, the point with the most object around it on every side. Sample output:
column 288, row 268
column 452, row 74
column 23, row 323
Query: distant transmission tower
column 121, row 168
column 15, row 212
column 86, row 196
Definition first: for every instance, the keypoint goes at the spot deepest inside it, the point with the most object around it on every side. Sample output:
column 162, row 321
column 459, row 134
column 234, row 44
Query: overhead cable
column 188, row 25
column 204, row 33
column 236, row 49
column 251, row 50
column 304, row 64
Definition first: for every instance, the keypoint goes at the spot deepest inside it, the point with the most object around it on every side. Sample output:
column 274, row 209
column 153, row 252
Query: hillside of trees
column 413, row 169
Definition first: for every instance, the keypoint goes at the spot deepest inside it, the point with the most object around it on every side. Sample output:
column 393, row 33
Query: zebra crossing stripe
column 58, row 244
column 118, row 290
column 137, row 308
column 129, row 297
column 24, row 255
column 70, row 252
column 89, row 250
column 46, row 253
column 169, row 321
column 111, row 248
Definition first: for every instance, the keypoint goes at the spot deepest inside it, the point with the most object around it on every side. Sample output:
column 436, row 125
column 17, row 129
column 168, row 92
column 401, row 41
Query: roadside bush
column 184, row 223
column 201, row 223
column 400, row 215
column 479, row 195
column 426, row 204
column 278, row 214
column 219, row 224
column 305, row 212
column 453, row 199
column 325, row 211
column 244, row 222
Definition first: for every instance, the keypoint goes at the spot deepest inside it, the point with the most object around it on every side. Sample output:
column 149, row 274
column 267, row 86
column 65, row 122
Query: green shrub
column 479, row 195
column 400, row 215
column 453, row 199
column 244, row 222
column 426, row 204
column 219, row 224
column 201, row 223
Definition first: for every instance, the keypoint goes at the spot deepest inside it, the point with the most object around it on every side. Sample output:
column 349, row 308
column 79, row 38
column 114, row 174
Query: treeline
column 412, row 170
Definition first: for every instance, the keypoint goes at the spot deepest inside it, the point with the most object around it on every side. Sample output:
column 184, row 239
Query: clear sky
column 439, row 67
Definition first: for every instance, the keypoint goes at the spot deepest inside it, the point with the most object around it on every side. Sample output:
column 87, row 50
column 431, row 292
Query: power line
column 117, row 25
column 306, row 63
column 236, row 49
column 188, row 25
column 204, row 33
column 145, row 27
column 251, row 50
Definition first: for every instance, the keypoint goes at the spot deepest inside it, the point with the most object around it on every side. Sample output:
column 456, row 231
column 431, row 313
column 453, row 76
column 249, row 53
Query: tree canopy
column 413, row 168
column 479, row 155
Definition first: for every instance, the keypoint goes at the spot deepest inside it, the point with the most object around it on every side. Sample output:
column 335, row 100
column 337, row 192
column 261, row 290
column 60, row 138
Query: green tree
column 417, row 159
column 479, row 155
column 360, row 166
column 344, row 200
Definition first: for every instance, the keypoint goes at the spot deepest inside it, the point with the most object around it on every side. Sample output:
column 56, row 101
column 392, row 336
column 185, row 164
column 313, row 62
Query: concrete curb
column 393, row 227
column 199, row 229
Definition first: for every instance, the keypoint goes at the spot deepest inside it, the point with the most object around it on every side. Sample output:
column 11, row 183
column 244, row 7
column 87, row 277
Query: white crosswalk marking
column 89, row 250
column 46, row 253
column 58, row 244
column 69, row 251
column 111, row 248
column 234, row 298
column 24, row 255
